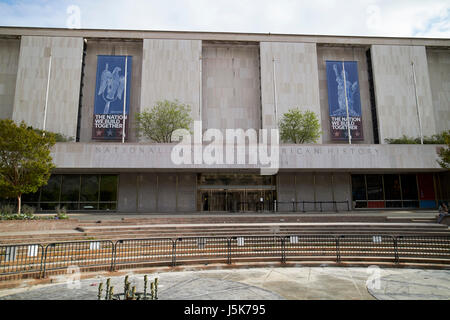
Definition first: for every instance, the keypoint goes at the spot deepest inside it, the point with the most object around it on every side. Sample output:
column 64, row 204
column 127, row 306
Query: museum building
column 89, row 85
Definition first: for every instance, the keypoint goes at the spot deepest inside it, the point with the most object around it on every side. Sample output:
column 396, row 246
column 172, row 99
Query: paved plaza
column 296, row 283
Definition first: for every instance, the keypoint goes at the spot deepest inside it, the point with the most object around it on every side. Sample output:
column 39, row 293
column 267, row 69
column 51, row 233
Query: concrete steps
column 173, row 231
column 231, row 225
column 255, row 219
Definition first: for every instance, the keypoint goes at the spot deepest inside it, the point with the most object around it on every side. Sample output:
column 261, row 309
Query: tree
column 162, row 120
column 299, row 127
column 444, row 153
column 25, row 161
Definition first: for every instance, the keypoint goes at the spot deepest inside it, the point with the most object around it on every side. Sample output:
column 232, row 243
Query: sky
column 391, row 18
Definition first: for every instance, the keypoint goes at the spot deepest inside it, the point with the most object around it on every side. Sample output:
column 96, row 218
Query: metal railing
column 21, row 258
column 82, row 254
column 37, row 260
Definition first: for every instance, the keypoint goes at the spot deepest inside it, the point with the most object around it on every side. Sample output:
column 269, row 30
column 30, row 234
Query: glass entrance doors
column 237, row 200
column 236, row 192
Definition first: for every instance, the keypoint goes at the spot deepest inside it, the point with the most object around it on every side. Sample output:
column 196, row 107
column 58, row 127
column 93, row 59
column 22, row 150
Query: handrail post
column 348, row 205
column 338, row 250
column 174, row 252
column 42, row 259
column 335, row 206
column 229, row 251
column 45, row 259
column 396, row 257
column 293, row 206
column 114, row 255
column 304, row 206
column 283, row 250
column 320, row 202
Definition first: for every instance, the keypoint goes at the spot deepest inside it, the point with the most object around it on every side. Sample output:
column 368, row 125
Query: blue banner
column 338, row 103
column 112, row 88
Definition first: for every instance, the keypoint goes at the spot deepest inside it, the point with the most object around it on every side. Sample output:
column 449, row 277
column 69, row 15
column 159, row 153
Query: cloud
column 436, row 26
column 351, row 17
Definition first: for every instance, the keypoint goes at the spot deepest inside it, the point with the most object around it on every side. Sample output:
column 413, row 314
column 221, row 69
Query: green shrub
column 28, row 212
column 61, row 213
column 434, row 139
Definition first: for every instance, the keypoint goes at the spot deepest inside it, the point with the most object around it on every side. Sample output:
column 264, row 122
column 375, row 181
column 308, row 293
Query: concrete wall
column 187, row 190
column 296, row 75
column 439, row 69
column 157, row 192
column 127, row 201
column 286, row 188
column 231, row 87
column 117, row 156
column 167, row 192
column 171, row 70
column 148, row 192
column 313, row 187
column 102, row 47
column 395, row 94
column 64, row 89
column 9, row 62
column 347, row 54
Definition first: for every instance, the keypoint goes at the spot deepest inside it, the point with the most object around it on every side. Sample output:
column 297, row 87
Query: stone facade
column 9, row 62
column 396, row 93
column 64, row 87
column 171, row 70
column 231, row 81
column 439, row 70
column 231, row 87
column 294, row 66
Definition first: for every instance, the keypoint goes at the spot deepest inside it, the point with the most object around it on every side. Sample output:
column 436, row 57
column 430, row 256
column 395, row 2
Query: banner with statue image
column 337, row 102
column 112, row 89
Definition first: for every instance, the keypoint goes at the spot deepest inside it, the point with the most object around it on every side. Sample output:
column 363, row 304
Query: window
column 392, row 190
column 108, row 192
column 359, row 191
column 70, row 192
column 389, row 191
column 77, row 192
column 375, row 187
column 89, row 188
column 50, row 194
column 409, row 191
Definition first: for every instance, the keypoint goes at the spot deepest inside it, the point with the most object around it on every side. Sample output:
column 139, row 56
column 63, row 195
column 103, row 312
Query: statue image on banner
column 112, row 89
column 337, row 92
column 351, row 90
column 111, row 86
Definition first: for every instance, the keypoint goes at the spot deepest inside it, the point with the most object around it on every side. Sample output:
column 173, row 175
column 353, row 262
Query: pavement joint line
column 353, row 281
column 181, row 284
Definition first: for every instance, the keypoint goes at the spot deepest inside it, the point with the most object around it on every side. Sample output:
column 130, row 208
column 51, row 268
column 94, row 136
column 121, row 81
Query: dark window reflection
column 89, row 188
column 359, row 187
column 409, row 187
column 51, row 192
column 375, row 187
column 392, row 191
column 77, row 192
column 108, row 188
column 70, row 190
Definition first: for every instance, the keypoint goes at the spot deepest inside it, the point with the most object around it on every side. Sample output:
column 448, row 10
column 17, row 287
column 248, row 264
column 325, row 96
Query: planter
column 37, row 225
